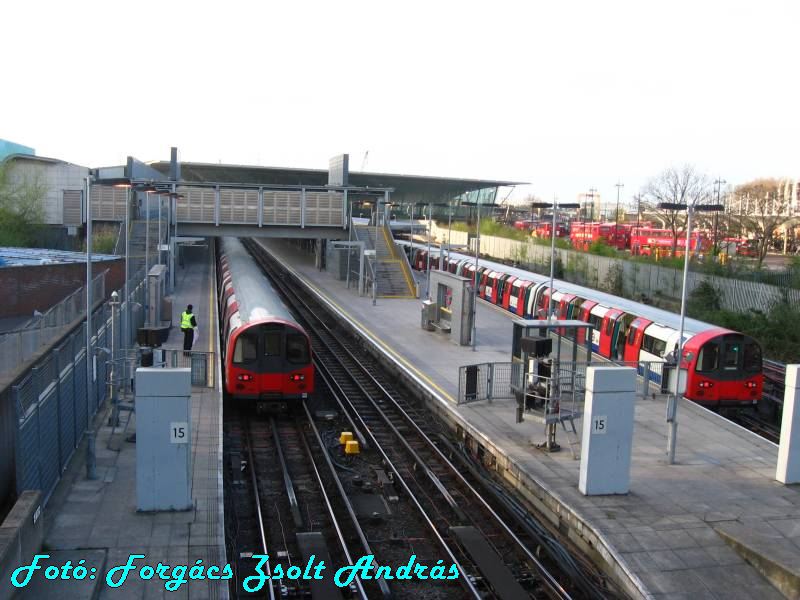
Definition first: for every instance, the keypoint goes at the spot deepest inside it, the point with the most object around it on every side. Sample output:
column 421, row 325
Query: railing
column 505, row 380
column 19, row 346
column 202, row 365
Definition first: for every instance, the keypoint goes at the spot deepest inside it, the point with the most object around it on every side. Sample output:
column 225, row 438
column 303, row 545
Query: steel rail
column 465, row 579
column 385, row 591
column 261, row 532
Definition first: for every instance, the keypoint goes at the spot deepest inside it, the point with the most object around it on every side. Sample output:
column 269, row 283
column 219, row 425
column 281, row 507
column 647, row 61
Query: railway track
column 494, row 547
column 278, row 484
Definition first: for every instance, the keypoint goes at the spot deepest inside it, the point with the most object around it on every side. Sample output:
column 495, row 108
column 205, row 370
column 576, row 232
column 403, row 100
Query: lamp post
column 672, row 402
column 554, row 206
column 90, row 441
column 619, row 186
column 476, row 281
column 719, row 182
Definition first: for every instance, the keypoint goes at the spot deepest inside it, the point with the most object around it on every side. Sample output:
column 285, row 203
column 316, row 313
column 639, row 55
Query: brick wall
column 29, row 288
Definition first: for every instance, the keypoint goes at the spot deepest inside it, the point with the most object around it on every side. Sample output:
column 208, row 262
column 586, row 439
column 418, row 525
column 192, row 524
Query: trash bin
column 147, row 358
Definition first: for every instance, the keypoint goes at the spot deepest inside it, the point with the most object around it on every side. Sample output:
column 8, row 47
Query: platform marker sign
column 599, row 425
column 179, row 432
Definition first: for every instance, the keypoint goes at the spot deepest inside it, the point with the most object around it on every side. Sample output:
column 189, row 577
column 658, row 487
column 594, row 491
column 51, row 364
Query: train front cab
column 269, row 360
column 724, row 367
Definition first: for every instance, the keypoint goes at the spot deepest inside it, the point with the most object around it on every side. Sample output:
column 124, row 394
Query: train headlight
column 752, row 384
column 706, row 384
column 297, row 377
column 245, row 377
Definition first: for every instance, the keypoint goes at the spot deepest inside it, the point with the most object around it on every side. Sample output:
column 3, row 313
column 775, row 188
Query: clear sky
column 565, row 95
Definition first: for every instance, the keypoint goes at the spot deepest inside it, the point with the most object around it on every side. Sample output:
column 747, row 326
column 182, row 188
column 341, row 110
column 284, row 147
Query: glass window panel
column 297, row 349
column 246, row 349
column 709, row 358
column 730, row 360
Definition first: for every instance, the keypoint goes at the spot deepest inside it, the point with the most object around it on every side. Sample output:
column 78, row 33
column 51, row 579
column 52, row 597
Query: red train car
column 266, row 354
column 724, row 368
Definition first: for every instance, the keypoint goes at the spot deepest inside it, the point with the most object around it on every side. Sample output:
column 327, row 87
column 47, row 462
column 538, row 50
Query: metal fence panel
column 66, row 416
column 49, row 463
column 27, row 449
column 80, row 396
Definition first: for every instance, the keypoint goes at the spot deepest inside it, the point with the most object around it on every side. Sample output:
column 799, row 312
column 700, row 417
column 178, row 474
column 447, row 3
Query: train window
column 631, row 335
column 246, row 349
column 609, row 326
column 709, row 358
column 654, row 345
column 272, row 343
column 730, row 361
column 296, row 349
column 752, row 357
column 596, row 321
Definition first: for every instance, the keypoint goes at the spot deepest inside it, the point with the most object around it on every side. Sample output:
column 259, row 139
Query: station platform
column 714, row 525
column 97, row 520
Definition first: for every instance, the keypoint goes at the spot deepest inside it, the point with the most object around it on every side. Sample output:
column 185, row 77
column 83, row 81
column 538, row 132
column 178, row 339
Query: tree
column 762, row 206
column 21, row 211
column 676, row 185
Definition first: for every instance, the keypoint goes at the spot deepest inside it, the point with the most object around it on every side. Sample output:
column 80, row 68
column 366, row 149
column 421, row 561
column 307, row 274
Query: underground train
column 724, row 367
column 266, row 354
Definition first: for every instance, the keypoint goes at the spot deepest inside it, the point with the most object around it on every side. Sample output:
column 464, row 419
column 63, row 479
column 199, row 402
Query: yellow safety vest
column 186, row 320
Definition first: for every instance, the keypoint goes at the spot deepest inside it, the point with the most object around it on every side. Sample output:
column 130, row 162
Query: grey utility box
column 163, row 439
column 607, row 431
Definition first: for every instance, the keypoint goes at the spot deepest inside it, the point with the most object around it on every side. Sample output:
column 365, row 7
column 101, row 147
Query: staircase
column 394, row 278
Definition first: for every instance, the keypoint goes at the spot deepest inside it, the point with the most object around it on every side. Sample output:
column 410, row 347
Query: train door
column 583, row 315
column 619, row 336
column 596, row 316
column 607, row 332
column 563, row 309
column 633, row 343
column 508, row 291
column 522, row 297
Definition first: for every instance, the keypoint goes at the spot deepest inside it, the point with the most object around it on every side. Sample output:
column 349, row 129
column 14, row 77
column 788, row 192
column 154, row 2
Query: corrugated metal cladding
column 51, row 412
column 241, row 206
column 73, row 207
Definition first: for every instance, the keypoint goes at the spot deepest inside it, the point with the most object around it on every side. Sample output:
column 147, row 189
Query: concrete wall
column 55, row 176
column 21, row 536
column 30, row 288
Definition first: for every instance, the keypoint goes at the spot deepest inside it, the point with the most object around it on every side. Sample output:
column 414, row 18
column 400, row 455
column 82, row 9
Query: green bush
column 601, row 248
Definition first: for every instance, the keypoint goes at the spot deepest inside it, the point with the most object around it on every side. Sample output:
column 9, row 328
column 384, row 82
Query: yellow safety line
column 380, row 342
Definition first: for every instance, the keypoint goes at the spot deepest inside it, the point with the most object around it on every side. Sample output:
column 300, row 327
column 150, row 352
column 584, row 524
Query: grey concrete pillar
column 788, row 470
column 607, row 431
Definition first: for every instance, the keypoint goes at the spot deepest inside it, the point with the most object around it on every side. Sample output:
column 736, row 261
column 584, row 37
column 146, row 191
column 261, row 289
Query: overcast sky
column 565, row 95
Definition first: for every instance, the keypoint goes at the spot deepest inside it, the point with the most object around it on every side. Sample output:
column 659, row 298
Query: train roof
column 254, row 294
column 657, row 315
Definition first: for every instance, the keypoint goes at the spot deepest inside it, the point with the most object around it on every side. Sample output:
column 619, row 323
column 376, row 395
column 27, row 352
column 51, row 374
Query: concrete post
column 607, row 431
column 788, row 470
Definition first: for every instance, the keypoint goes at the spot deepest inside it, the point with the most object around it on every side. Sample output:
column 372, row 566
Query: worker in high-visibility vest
column 188, row 325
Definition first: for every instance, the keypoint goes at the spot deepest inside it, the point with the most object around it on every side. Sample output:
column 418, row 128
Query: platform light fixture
column 672, row 402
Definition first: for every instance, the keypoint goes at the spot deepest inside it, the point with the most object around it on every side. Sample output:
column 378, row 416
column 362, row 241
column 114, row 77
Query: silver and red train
column 724, row 367
column 266, row 354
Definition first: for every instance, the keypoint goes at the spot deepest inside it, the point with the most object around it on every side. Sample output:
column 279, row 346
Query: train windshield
column 246, row 349
column 730, row 355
